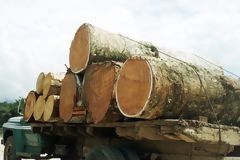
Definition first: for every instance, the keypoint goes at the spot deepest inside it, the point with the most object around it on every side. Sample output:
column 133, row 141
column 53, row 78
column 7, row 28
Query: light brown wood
column 69, row 96
column 151, row 88
column 51, row 110
column 52, row 84
column 39, row 108
column 92, row 44
column 29, row 105
column 98, row 92
column 134, row 87
column 39, row 83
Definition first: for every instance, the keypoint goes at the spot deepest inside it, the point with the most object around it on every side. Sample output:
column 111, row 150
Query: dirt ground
column 1, row 151
column 1, row 147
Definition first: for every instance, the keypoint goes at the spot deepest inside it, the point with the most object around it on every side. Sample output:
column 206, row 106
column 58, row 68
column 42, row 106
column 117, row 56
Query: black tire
column 129, row 154
column 102, row 152
column 10, row 150
column 68, row 158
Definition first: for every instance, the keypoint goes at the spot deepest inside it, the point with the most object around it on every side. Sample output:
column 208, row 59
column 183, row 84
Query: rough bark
column 70, row 96
column 173, row 89
column 51, row 110
column 190, row 58
column 29, row 105
column 52, row 84
column 39, row 108
column 98, row 92
column 92, row 44
column 39, row 83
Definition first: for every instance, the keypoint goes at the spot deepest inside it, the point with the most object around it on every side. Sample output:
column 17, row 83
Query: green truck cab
column 20, row 140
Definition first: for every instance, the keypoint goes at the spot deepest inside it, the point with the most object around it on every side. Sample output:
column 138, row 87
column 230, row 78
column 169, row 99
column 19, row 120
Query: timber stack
column 114, row 78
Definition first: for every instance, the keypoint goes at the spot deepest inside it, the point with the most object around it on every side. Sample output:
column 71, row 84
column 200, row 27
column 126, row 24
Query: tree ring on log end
column 98, row 88
column 47, row 84
column 134, row 87
column 39, row 84
column 80, row 49
column 39, row 108
column 29, row 106
column 68, row 97
column 49, row 108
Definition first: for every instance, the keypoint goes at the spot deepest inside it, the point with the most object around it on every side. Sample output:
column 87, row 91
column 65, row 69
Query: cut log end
column 39, row 84
column 29, row 106
column 80, row 49
column 47, row 84
column 52, row 83
column 99, row 82
column 68, row 97
column 51, row 108
column 134, row 87
column 39, row 108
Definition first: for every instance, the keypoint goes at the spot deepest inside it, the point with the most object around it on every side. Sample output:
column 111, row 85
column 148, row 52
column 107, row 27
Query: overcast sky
column 35, row 35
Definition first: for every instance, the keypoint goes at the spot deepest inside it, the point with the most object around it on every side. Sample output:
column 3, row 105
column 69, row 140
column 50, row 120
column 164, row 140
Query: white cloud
column 35, row 35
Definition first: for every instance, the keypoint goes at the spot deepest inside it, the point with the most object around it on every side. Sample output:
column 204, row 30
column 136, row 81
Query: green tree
column 9, row 109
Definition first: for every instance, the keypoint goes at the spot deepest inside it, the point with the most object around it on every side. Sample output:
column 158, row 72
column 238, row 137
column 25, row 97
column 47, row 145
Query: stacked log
column 29, row 105
column 98, row 92
column 40, row 82
column 51, row 110
column 70, row 97
column 44, row 98
column 52, row 84
column 190, row 59
column 98, row 88
column 39, row 108
column 92, row 44
column 173, row 89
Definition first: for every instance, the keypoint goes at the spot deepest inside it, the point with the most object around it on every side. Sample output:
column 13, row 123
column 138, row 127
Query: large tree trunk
column 150, row 88
column 39, row 108
column 190, row 58
column 98, row 92
column 92, row 44
column 29, row 105
column 52, row 84
column 39, row 83
column 51, row 111
column 70, row 96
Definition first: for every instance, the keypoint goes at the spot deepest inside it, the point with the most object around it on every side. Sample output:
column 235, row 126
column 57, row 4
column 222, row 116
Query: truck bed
column 191, row 131
column 163, row 136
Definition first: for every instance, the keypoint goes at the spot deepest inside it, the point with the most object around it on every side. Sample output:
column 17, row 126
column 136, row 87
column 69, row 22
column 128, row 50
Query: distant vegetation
column 8, row 110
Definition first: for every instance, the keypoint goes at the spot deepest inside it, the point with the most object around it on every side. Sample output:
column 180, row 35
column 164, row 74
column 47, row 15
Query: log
column 98, row 92
column 92, row 44
column 78, row 115
column 51, row 110
column 69, row 96
column 39, row 83
column 39, row 108
column 190, row 58
column 52, row 84
column 29, row 105
column 150, row 88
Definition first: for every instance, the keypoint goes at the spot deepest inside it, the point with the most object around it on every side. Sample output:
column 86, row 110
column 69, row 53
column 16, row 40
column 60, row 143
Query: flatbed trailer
column 166, row 139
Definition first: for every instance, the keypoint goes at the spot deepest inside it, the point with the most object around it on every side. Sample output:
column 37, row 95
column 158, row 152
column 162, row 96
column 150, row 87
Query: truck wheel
column 68, row 158
column 129, row 154
column 10, row 150
column 102, row 152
